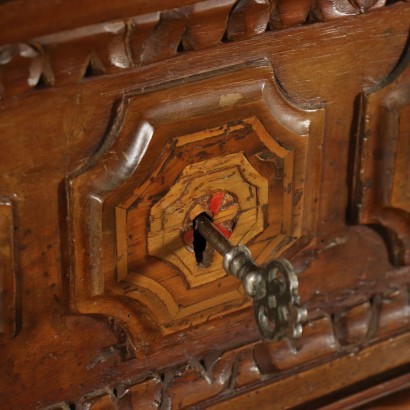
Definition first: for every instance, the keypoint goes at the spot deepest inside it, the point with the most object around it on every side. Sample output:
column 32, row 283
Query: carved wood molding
column 130, row 204
column 382, row 175
column 220, row 375
column 110, row 47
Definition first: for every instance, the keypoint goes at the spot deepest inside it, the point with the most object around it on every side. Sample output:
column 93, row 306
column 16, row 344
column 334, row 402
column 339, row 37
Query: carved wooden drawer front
column 283, row 123
column 229, row 144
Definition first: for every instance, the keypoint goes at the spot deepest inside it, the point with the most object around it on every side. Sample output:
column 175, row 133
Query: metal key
column 273, row 287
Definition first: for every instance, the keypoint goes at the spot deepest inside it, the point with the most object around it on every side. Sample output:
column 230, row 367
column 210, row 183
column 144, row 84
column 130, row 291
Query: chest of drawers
column 288, row 122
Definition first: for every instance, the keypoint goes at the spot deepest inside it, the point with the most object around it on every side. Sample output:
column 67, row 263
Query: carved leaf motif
column 333, row 9
column 365, row 5
column 248, row 18
column 164, row 40
column 108, row 47
column 207, row 26
column 289, row 13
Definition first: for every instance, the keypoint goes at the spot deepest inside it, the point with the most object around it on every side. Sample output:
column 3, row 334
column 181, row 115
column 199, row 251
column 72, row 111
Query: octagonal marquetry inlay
column 231, row 145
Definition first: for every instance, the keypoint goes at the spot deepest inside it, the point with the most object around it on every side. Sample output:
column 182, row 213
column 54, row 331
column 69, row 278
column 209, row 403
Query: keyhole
column 203, row 255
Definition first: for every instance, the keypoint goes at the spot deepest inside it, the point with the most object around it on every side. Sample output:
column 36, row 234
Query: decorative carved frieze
column 222, row 374
column 68, row 57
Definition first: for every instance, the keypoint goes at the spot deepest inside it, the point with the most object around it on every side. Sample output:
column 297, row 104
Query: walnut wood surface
column 383, row 158
column 261, row 162
column 31, row 18
column 394, row 393
column 99, row 127
column 60, row 57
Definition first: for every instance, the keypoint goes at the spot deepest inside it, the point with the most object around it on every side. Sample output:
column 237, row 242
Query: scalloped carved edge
column 70, row 56
column 220, row 375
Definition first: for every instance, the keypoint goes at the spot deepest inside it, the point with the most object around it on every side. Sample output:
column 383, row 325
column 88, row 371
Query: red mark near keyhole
column 215, row 204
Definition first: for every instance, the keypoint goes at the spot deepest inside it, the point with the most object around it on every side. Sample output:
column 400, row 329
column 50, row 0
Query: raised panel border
column 106, row 179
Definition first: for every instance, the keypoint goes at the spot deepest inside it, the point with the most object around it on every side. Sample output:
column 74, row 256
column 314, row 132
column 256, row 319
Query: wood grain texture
column 10, row 320
column 394, row 393
column 357, row 299
column 104, row 48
